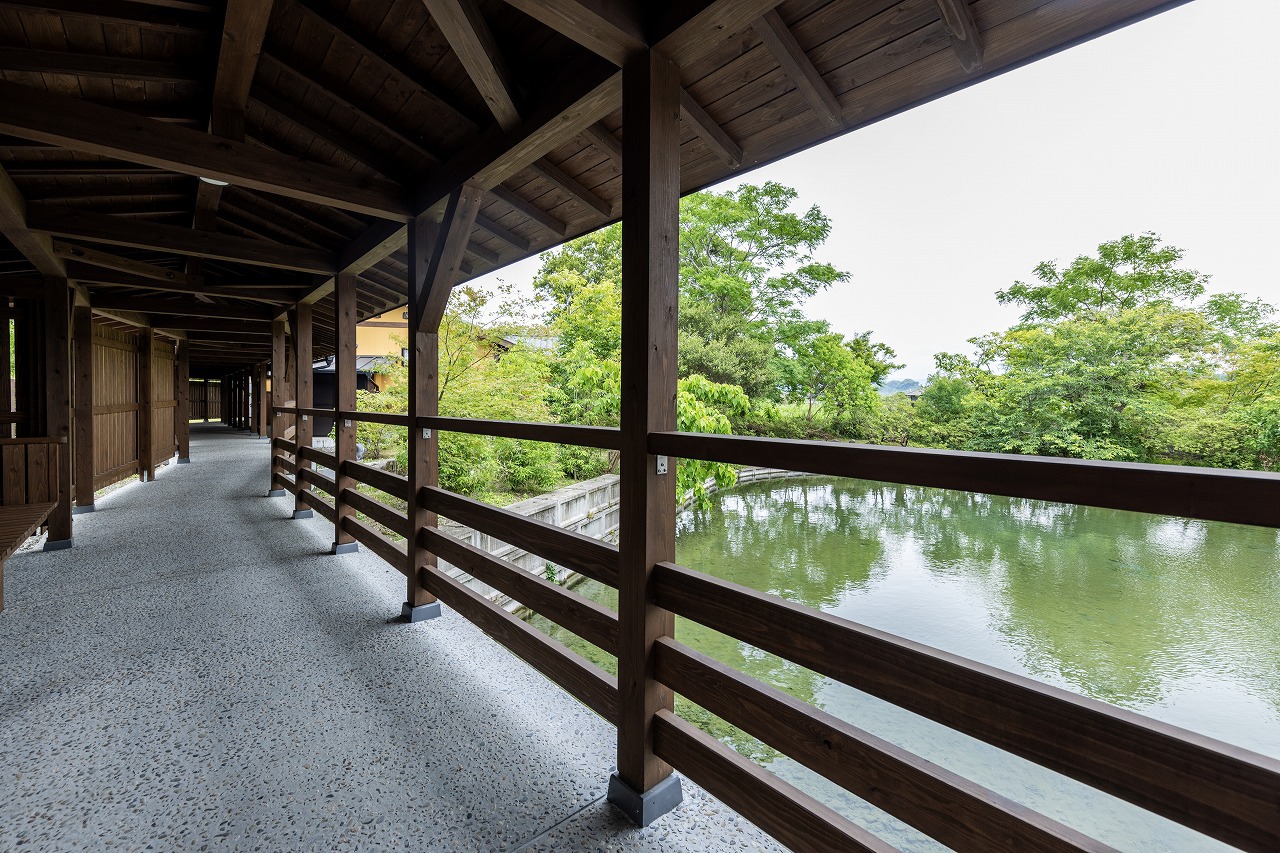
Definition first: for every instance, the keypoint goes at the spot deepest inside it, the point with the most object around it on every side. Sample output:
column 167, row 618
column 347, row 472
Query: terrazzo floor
column 198, row 673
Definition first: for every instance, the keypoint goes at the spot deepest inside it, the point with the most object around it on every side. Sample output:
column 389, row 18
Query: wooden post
column 255, row 400
column 303, row 394
column 27, row 369
column 146, row 397
column 82, row 332
column 57, row 400
column 6, row 368
column 205, row 409
column 644, row 787
column 182, row 416
column 344, row 400
column 279, row 362
column 264, row 401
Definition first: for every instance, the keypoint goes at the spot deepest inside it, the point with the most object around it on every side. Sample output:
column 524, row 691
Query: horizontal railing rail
column 319, row 457
column 379, row 512
column 395, row 485
column 1221, row 790
column 582, row 554
column 389, row 551
column 1211, row 494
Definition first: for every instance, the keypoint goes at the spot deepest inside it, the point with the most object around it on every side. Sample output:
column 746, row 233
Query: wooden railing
column 1223, row 791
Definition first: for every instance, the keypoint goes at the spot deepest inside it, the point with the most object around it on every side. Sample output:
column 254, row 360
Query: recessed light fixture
column 214, row 181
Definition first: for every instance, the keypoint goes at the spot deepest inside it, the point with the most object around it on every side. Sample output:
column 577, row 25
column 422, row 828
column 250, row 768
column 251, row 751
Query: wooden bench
column 29, row 491
column 17, row 525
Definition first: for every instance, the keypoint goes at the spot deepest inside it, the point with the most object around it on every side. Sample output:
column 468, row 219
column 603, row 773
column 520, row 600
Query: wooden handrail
column 949, row 808
column 585, row 681
column 1212, row 494
column 319, row 457
column 604, row 438
column 318, row 503
column 393, row 484
column 582, row 616
column 387, row 418
column 584, row 555
column 1221, row 790
column 320, row 481
column 782, row 810
column 379, row 512
column 389, row 551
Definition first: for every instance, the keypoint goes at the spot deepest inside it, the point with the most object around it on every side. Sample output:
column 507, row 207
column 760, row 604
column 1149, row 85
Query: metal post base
column 644, row 809
column 58, row 545
column 81, row 510
column 421, row 613
column 303, row 513
column 277, row 493
column 345, row 547
column 183, row 461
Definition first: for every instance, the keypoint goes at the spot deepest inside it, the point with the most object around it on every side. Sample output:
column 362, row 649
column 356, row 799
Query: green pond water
column 1176, row 619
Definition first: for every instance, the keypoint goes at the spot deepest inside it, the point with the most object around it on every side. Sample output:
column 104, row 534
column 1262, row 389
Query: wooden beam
column 72, row 123
column 712, row 134
column 794, row 62
column 146, row 401
column 599, row 136
column 225, row 329
column 126, row 12
column 317, row 127
column 503, row 233
column 104, row 301
column 36, row 248
column 557, row 177
column 530, row 210
column 258, row 293
column 608, row 28
column 134, row 268
column 95, row 65
column 647, row 513
column 304, row 387
column 344, row 400
column 689, row 29
column 446, row 261
column 424, row 398
column 182, row 414
column 101, row 228
column 467, row 33
column 966, row 40
column 82, row 417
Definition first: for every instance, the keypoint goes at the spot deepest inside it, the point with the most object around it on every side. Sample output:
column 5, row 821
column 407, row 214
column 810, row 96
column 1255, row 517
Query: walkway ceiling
column 331, row 122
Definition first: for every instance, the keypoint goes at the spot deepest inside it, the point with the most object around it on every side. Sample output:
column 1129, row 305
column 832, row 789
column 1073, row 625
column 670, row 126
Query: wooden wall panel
column 115, row 410
column 164, row 367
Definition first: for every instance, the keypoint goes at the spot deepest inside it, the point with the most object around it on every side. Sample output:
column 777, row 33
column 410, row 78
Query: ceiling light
column 214, row 181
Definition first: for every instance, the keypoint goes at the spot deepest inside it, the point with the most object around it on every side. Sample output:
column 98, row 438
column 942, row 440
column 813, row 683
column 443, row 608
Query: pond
column 1175, row 619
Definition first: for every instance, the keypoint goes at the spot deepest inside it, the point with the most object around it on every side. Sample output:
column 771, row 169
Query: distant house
column 370, row 376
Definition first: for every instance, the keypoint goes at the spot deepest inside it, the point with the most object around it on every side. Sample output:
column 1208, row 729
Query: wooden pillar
column 182, row 417
column 644, row 787
column 435, row 261
column 344, row 400
column 255, row 400
column 6, row 368
column 82, row 333
column 204, row 410
column 264, row 400
column 303, row 393
column 28, row 368
column 146, row 399
column 57, row 400
column 279, row 367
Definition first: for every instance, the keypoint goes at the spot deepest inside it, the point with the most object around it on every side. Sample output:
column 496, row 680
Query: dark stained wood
column 1213, row 494
column 6, row 388
column 593, row 622
column 966, row 41
column 94, row 65
column 429, row 286
column 345, row 398
column 186, row 307
column 57, row 400
column 443, row 270
column 36, row 248
column 74, row 123
column 557, row 177
column 384, row 515
column 582, row 679
column 582, row 554
column 304, row 392
column 773, row 31
column 82, row 417
column 609, row 29
column 182, row 396
column 473, row 44
column 606, row 438
column 319, row 504
column 650, row 296
column 503, row 233
column 122, row 12
column 319, row 457
column 279, row 367
column 146, row 398
column 395, row 485
column 138, row 269
column 322, row 482
column 113, row 230
column 17, row 525
column 600, row 136
column 788, row 814
column 1215, row 788
column 390, row 552
column 945, row 806
column 712, row 134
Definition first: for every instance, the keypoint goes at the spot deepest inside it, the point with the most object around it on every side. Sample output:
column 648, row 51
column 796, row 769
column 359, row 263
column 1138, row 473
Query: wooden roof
column 333, row 121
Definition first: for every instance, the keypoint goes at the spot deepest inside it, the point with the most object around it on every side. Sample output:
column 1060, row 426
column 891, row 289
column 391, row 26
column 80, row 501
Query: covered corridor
column 199, row 669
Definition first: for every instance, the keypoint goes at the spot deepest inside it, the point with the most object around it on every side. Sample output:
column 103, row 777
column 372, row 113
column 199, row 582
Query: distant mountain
column 895, row 386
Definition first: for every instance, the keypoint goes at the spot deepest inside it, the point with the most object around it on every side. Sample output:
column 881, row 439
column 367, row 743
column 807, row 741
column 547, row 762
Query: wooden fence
column 206, row 400
column 1223, row 791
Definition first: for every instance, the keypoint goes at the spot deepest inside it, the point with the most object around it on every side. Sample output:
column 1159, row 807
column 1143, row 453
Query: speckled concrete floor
column 197, row 673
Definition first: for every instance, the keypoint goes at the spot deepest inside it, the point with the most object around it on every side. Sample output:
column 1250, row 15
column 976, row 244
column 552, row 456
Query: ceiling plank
column 605, row 142
column 73, row 123
column 608, row 28
column 92, row 65
column 124, row 12
column 557, row 177
column 331, row 136
column 503, row 233
column 108, row 301
column 36, row 248
column 693, row 27
column 530, row 210
column 712, row 134
column 795, row 63
column 101, row 228
column 197, row 324
column 966, row 40
column 472, row 41
column 107, row 260
column 93, row 275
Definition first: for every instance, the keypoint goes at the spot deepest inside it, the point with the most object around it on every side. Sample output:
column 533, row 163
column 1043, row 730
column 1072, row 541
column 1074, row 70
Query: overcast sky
column 1169, row 125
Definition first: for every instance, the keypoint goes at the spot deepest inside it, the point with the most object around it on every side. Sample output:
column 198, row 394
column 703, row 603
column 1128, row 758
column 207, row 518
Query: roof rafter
column 966, row 41
column 795, row 63
column 36, row 248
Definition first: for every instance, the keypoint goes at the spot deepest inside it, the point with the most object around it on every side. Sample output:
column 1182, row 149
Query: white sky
column 1169, row 125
